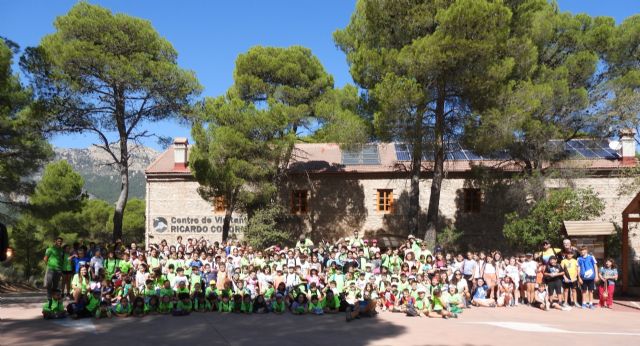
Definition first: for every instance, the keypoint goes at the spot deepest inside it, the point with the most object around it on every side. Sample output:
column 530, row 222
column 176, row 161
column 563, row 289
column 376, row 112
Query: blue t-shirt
column 481, row 292
column 587, row 267
column 77, row 262
column 609, row 272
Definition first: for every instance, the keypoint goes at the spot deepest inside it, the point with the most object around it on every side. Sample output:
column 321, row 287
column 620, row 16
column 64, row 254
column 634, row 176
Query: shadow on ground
column 200, row 329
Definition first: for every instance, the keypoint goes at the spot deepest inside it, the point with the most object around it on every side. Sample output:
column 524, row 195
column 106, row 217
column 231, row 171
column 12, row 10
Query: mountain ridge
column 102, row 180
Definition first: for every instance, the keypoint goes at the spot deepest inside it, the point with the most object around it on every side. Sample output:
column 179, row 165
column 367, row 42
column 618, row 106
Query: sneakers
column 585, row 306
column 591, row 306
column 565, row 305
column 566, row 308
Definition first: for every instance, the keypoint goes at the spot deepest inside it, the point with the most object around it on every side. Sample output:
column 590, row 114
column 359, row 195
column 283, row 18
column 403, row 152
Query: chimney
column 180, row 148
column 628, row 141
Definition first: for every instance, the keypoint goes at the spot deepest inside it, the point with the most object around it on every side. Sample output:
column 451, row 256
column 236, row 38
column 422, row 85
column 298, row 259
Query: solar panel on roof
column 575, row 149
column 367, row 155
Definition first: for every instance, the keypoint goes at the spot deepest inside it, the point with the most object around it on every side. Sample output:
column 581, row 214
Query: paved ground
column 20, row 325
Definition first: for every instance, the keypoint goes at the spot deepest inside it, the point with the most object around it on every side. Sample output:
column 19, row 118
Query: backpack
column 411, row 310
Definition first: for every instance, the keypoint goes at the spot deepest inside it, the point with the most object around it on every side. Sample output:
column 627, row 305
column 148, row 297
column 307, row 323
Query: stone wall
column 340, row 204
column 176, row 204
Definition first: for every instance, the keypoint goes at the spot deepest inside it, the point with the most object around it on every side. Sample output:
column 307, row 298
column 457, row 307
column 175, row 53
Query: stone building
column 332, row 192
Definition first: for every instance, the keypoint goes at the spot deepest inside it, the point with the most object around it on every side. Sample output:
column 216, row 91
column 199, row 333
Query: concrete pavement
column 20, row 325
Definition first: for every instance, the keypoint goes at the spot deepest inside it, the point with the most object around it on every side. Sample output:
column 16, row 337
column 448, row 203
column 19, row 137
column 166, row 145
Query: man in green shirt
column 53, row 261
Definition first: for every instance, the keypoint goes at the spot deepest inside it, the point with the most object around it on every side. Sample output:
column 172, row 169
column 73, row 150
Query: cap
column 529, row 254
column 212, row 282
column 411, row 236
column 422, row 290
column 366, row 241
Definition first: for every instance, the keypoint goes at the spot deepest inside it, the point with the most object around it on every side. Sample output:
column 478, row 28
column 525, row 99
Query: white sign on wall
column 196, row 224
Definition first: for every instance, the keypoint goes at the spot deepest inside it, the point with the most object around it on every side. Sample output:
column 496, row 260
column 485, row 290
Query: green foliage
column 449, row 239
column 264, row 228
column 624, row 62
column 23, row 146
column 59, row 207
column 59, row 190
column 545, row 219
column 245, row 139
column 232, row 157
column 427, row 66
column 105, row 74
column 133, row 226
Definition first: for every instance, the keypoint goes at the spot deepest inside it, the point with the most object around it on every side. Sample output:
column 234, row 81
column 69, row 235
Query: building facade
column 332, row 192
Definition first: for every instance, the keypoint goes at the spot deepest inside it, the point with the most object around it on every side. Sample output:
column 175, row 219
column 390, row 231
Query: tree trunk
column 226, row 224
column 118, row 214
column 416, row 168
column 123, row 163
column 228, row 213
column 438, row 172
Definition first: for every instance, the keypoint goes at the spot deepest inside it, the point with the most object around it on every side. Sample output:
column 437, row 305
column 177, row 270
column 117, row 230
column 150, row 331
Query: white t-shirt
column 529, row 268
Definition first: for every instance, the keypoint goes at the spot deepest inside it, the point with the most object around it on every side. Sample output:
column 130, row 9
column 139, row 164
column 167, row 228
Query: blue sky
column 209, row 35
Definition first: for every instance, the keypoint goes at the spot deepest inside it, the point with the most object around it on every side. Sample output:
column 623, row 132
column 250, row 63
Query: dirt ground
column 20, row 325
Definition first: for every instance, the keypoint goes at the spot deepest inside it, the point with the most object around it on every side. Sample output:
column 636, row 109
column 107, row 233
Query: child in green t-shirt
column 439, row 306
column 184, row 305
column 152, row 306
column 225, row 305
column 278, row 305
column 104, row 310
column 165, row 306
column 315, row 306
column 137, row 310
column 123, row 308
column 197, row 296
column 246, row 306
column 54, row 307
column 300, row 306
column 330, row 303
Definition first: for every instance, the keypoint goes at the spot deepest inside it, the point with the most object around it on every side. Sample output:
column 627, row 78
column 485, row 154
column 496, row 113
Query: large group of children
column 354, row 276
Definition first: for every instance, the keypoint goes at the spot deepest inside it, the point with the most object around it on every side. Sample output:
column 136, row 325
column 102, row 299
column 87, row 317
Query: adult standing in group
column 568, row 247
column 548, row 251
column 53, row 261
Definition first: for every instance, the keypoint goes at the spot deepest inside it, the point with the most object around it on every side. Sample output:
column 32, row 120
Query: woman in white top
column 490, row 278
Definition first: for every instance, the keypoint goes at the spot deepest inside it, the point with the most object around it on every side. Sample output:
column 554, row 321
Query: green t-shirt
column 247, row 308
column 166, row 292
column 164, row 308
column 211, row 290
column 53, row 306
column 125, row 267
column 331, row 304
column 110, row 265
column 93, row 304
column 78, row 281
column 54, row 258
column 66, row 263
column 184, row 306
column 314, row 307
column 120, row 309
column 277, row 307
column 269, row 293
column 225, row 306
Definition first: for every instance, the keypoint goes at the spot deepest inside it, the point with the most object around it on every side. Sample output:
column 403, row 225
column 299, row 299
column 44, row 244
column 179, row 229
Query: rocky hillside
column 101, row 180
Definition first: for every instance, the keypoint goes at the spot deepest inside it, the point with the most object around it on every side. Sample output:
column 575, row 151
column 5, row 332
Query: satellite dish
column 615, row 145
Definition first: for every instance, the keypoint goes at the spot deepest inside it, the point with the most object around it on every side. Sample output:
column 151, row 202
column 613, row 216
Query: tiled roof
column 327, row 158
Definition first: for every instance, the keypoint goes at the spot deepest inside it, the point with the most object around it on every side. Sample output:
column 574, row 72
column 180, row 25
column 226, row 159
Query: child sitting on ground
column 54, row 308
column 541, row 299
column 184, row 305
column 439, row 307
column 122, row 308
